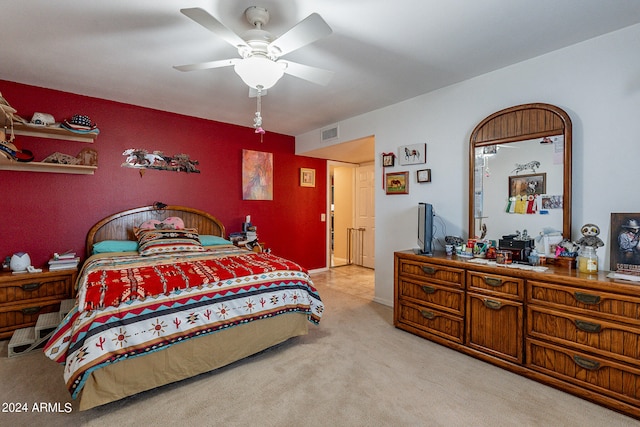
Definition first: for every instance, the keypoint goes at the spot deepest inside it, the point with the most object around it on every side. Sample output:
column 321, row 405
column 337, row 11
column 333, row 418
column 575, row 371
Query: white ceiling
column 382, row 51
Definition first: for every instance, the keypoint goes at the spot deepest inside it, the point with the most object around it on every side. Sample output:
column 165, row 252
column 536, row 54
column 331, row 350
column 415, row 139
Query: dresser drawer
column 29, row 288
column 617, row 307
column 433, row 272
column 598, row 374
column 433, row 321
column 24, row 315
column 615, row 340
column 425, row 293
column 506, row 286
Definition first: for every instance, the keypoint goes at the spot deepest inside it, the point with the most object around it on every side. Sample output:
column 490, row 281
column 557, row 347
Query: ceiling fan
column 259, row 65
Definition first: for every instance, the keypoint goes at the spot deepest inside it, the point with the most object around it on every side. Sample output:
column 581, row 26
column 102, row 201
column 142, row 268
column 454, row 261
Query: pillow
column 208, row 240
column 151, row 242
column 115, row 246
column 169, row 223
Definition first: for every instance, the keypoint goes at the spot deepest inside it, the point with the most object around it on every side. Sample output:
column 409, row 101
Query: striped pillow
column 152, row 242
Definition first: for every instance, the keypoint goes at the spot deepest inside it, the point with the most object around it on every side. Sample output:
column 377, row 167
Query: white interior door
column 365, row 212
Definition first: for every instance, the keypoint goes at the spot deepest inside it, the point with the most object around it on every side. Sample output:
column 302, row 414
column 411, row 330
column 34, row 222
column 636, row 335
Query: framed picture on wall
column 424, row 175
column 397, row 183
column 307, row 177
column 412, row 154
column 388, row 159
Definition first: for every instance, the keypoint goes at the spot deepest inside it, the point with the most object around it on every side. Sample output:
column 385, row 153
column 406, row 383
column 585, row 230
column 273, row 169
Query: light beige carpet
column 355, row 369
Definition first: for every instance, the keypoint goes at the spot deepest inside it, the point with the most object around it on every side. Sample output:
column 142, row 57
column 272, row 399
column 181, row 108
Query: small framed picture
column 625, row 243
column 388, row 159
column 424, row 175
column 397, row 183
column 307, row 177
column 524, row 185
column 412, row 154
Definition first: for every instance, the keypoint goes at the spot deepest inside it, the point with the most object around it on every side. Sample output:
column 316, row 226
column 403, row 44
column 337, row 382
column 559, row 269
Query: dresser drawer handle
column 428, row 270
column 587, row 298
column 427, row 314
column 494, row 305
column 428, row 289
column 588, row 326
column 29, row 287
column 591, row 365
column 492, row 281
column 31, row 310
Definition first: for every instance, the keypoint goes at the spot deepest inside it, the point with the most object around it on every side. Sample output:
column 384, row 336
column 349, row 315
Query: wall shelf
column 6, row 164
column 52, row 133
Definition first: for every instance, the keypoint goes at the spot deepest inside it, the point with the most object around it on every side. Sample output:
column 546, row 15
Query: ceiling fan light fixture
column 259, row 71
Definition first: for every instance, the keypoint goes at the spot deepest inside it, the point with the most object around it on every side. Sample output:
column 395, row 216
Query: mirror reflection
column 519, row 186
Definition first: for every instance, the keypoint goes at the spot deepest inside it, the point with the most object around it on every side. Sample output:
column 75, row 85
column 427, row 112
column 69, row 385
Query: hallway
column 351, row 279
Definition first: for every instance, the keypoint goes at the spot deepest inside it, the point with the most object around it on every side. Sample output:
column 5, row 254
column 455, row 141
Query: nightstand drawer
column 24, row 315
column 23, row 297
column 37, row 287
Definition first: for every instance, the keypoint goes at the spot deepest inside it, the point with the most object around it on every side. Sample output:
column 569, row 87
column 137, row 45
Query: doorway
column 352, row 215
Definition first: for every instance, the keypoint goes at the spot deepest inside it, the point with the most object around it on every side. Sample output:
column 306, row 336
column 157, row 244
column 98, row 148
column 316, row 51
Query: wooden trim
column 521, row 122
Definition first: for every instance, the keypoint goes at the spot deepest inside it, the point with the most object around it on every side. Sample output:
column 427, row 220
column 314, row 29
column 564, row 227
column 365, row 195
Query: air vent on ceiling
column 329, row 134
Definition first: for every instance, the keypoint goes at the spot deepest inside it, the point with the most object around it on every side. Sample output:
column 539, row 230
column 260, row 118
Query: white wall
column 596, row 82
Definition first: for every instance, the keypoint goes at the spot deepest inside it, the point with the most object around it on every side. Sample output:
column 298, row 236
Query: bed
column 163, row 296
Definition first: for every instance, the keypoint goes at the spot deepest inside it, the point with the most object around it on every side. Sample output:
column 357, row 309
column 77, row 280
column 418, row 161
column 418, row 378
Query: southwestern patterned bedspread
column 130, row 305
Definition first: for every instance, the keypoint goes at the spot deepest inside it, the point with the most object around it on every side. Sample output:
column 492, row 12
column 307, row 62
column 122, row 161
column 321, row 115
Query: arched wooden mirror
column 522, row 152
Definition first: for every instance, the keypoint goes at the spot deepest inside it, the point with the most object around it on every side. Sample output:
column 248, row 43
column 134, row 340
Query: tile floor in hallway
column 350, row 279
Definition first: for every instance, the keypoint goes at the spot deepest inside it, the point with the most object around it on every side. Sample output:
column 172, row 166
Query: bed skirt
column 189, row 358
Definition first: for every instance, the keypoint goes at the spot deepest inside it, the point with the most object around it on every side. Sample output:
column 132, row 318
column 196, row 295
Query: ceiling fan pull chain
column 257, row 121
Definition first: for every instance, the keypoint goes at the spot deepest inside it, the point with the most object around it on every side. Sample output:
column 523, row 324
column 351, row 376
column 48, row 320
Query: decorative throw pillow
column 169, row 223
column 151, row 242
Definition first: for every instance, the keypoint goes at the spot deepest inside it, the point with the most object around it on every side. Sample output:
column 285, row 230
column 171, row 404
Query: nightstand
column 23, row 297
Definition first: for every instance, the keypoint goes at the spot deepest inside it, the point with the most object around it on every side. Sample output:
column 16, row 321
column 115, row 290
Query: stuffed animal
column 590, row 236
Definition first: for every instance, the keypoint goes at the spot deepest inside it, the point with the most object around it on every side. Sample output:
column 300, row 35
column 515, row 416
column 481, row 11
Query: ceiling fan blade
column 310, row 29
column 203, row 18
column 207, row 65
column 315, row 75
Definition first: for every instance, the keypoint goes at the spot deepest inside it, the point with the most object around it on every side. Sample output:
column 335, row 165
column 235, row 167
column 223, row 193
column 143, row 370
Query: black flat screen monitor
column 425, row 228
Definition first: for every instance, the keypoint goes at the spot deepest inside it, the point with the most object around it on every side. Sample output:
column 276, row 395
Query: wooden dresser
column 576, row 332
column 23, row 297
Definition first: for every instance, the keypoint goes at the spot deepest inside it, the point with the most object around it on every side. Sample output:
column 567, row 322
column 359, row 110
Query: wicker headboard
column 119, row 226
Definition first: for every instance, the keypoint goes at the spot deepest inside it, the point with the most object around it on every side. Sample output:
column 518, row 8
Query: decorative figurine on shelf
column 590, row 236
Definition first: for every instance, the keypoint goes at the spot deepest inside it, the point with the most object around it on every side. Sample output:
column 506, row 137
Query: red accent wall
column 43, row 213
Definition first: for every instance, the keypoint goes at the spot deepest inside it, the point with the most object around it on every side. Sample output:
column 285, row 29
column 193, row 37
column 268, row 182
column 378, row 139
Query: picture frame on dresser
column 624, row 249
